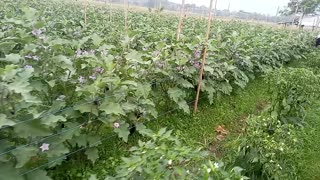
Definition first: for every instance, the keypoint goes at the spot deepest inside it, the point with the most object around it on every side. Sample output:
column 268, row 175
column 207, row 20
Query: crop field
column 83, row 96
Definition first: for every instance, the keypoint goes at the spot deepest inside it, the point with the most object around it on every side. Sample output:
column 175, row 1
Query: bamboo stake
column 203, row 58
column 85, row 12
column 125, row 6
column 215, row 8
column 180, row 20
column 110, row 10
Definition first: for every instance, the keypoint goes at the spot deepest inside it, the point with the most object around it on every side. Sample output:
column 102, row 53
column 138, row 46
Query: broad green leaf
column 81, row 140
column 51, row 83
column 111, row 108
column 5, row 122
column 123, row 131
column 12, row 58
column 8, row 172
column 38, row 175
column 31, row 129
column 52, row 120
column 23, row 155
column 184, row 83
column 133, row 83
column 93, row 140
column 128, row 107
column 96, row 39
column 176, row 94
column 208, row 69
column 93, row 177
column 6, row 47
column 184, row 106
column 56, row 150
column 143, row 90
column 92, row 154
column 87, row 108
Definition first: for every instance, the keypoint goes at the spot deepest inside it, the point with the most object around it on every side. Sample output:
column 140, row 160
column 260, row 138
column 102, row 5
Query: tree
column 301, row 6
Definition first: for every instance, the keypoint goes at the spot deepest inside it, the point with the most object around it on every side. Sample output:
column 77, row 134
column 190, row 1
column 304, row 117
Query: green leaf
column 5, row 122
column 176, row 94
column 7, row 172
column 87, row 108
column 128, row 107
column 184, row 83
column 96, row 39
column 56, row 149
column 23, row 155
column 123, row 131
column 93, row 177
column 38, row 175
column 208, row 69
column 12, row 58
column 112, row 108
column 52, row 120
column 31, row 129
column 92, row 154
column 143, row 90
column 184, row 106
column 51, row 83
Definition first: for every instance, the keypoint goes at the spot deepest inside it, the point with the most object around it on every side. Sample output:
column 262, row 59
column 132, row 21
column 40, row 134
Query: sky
column 259, row 6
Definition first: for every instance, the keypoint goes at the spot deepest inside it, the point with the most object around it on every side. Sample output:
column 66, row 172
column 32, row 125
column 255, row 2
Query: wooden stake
column 125, row 6
column 85, row 13
column 215, row 8
column 110, row 10
column 203, row 58
column 180, row 20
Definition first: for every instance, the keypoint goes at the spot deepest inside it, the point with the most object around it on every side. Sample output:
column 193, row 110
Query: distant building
column 310, row 21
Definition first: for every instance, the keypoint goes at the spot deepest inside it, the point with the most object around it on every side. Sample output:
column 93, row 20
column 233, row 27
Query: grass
column 308, row 159
column 228, row 111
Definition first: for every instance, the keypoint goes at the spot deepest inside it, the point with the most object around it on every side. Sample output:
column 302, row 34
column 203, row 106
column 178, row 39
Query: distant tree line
column 203, row 10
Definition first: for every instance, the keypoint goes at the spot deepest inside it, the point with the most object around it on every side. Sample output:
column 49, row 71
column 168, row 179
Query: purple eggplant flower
column 99, row 70
column 116, row 125
column 36, row 32
column 180, row 68
column 92, row 52
column 61, row 97
column 197, row 65
column 44, row 147
column 159, row 64
column 197, row 54
column 104, row 52
column 156, row 53
column 28, row 56
column 93, row 77
column 81, row 79
column 28, row 67
column 36, row 58
column 85, row 53
column 78, row 53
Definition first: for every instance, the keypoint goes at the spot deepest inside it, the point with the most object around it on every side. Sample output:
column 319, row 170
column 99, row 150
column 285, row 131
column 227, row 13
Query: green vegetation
column 79, row 94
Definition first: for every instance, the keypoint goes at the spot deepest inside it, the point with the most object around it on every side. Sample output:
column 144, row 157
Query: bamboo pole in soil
column 110, row 10
column 125, row 8
column 180, row 20
column 85, row 12
column 203, row 58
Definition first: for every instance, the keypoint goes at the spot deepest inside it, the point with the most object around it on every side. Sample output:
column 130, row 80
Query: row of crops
column 66, row 83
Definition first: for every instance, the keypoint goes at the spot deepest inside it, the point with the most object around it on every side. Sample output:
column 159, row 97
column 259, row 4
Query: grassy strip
column 308, row 159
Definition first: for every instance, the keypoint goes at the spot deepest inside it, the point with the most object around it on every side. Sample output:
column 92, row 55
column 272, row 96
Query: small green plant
column 264, row 151
column 292, row 89
column 163, row 156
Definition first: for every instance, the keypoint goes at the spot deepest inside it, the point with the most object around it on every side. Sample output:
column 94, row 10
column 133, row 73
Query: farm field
column 84, row 97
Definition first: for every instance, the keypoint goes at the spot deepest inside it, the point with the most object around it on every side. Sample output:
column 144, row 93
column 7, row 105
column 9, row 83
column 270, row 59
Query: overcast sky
column 260, row 6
